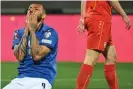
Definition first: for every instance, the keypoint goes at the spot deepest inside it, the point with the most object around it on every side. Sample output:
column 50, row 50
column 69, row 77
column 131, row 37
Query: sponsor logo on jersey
column 46, row 41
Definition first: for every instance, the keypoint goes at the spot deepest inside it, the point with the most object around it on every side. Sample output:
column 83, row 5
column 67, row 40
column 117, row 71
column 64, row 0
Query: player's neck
column 39, row 25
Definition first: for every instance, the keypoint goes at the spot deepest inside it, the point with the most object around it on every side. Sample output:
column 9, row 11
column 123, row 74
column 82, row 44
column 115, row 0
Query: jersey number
column 43, row 84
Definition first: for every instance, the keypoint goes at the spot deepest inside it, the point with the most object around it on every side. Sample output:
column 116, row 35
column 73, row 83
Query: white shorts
column 28, row 83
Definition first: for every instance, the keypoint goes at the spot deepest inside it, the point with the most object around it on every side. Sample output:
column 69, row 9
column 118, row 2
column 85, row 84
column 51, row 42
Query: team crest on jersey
column 47, row 34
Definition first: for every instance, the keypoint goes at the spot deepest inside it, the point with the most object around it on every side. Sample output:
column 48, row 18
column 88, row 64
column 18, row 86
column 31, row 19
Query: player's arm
column 20, row 49
column 37, row 51
column 116, row 5
column 80, row 28
column 83, row 8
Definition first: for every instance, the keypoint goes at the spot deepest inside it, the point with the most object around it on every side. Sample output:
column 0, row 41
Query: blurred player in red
column 96, row 18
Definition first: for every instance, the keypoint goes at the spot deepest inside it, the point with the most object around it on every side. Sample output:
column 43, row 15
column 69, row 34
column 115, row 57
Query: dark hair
column 40, row 3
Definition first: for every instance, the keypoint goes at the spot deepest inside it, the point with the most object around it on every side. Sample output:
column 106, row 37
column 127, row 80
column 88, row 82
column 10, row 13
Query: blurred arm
column 116, row 5
column 38, row 51
column 20, row 49
column 83, row 8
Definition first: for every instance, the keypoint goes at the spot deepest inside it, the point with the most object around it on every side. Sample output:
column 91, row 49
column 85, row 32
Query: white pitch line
column 98, row 79
column 130, row 84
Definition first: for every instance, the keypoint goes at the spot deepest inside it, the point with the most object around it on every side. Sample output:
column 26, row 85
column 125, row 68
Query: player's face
column 37, row 9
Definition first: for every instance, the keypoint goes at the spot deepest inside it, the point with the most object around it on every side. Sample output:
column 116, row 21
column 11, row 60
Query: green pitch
column 67, row 73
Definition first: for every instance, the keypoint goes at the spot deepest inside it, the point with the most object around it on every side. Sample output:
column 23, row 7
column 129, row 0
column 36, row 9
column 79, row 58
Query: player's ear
column 43, row 16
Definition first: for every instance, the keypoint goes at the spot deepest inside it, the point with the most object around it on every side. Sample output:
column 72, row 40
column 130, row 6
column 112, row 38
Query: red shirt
column 98, row 10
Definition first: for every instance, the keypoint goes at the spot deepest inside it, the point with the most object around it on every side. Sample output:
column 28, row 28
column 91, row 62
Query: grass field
column 67, row 73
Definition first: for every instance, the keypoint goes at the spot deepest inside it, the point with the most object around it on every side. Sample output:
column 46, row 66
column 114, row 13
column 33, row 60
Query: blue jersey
column 46, row 67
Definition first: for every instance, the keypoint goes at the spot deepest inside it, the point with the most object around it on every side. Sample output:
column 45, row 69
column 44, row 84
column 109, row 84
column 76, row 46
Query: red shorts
column 99, row 34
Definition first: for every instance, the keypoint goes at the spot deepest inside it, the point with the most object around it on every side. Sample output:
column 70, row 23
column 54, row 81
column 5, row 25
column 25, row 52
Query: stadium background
column 64, row 17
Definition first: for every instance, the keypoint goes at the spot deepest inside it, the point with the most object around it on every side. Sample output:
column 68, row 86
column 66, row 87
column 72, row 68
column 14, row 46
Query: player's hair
column 44, row 8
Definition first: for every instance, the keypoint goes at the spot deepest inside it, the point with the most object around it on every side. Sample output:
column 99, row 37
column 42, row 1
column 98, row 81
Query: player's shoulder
column 19, row 31
column 50, row 29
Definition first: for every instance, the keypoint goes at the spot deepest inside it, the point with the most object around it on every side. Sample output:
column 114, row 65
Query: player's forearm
column 116, row 5
column 35, row 47
column 20, row 50
column 83, row 8
column 19, row 54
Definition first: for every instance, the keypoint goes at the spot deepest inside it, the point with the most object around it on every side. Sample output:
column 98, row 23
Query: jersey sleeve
column 16, row 39
column 49, row 39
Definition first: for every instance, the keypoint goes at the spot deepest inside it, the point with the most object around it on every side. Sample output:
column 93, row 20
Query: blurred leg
column 110, row 67
column 87, row 68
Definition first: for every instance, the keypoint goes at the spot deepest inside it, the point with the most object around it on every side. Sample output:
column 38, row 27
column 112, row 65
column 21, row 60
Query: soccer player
column 35, row 47
column 96, row 18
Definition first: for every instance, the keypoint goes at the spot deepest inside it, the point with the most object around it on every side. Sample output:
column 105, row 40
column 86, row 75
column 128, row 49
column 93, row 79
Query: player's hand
column 127, row 21
column 81, row 28
column 27, row 24
column 33, row 22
